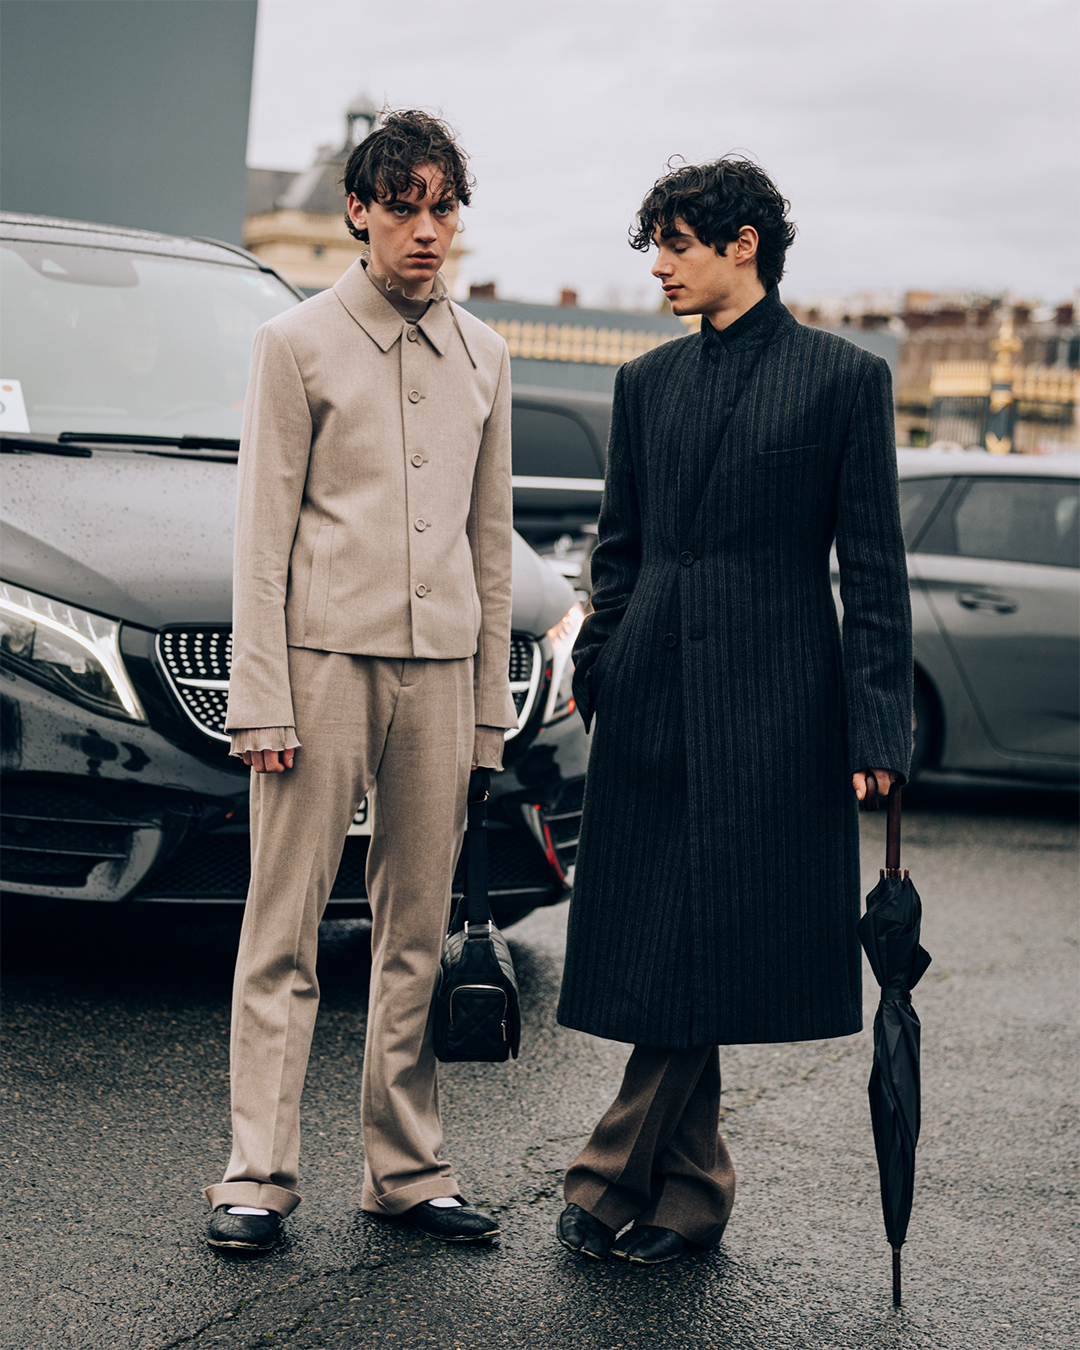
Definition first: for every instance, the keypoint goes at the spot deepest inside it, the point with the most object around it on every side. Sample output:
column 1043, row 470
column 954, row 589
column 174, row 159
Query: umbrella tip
column 896, row 1277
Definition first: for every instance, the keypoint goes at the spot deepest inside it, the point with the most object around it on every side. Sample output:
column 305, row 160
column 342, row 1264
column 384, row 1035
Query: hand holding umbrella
column 889, row 932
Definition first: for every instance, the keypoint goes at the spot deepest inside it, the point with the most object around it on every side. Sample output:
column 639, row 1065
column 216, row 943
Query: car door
column 998, row 565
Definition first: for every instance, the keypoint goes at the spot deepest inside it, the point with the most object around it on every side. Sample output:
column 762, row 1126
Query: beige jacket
column 374, row 502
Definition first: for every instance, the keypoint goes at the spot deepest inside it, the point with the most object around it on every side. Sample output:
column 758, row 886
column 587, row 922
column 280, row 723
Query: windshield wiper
column 180, row 442
column 26, row 445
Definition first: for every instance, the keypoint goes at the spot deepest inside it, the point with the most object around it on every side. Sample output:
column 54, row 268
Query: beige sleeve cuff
column 263, row 738
column 488, row 747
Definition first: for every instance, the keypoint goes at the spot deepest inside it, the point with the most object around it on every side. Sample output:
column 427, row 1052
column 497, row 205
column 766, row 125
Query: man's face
column 410, row 236
column 695, row 277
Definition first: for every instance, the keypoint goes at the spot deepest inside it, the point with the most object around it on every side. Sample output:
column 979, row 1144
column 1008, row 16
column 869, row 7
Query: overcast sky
column 923, row 143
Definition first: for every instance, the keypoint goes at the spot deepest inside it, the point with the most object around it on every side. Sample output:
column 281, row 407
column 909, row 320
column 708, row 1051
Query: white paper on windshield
column 12, row 408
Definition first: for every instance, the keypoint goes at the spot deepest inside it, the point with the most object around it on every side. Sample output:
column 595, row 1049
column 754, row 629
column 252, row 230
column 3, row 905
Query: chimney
column 482, row 290
column 567, row 298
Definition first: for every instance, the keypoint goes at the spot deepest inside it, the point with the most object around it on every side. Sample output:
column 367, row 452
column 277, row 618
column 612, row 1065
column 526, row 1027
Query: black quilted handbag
column 477, row 1014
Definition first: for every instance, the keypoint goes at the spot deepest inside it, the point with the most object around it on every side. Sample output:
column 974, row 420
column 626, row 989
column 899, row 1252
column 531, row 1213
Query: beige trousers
column 657, row 1157
column 403, row 731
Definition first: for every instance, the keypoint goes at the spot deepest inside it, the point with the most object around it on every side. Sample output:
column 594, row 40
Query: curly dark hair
column 717, row 199
column 383, row 166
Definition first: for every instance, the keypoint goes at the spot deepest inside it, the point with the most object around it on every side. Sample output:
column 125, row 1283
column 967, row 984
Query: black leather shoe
column 578, row 1230
column 459, row 1223
column 647, row 1245
column 243, row 1232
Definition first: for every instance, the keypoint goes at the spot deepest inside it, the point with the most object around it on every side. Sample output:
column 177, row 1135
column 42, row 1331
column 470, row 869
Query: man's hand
column 269, row 761
column 885, row 779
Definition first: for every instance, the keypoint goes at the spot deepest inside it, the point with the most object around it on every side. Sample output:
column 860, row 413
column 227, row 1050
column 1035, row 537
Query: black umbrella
column 889, row 932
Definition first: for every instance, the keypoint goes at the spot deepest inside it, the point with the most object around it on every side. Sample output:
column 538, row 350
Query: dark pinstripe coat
column 717, row 884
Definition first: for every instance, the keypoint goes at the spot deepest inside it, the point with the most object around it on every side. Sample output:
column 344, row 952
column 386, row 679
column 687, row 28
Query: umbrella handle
column 872, row 802
column 892, row 833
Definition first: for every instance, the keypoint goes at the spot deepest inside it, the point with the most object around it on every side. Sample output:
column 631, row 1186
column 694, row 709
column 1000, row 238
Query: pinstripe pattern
column 709, row 908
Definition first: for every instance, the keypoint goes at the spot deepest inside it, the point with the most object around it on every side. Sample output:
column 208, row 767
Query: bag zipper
column 490, row 988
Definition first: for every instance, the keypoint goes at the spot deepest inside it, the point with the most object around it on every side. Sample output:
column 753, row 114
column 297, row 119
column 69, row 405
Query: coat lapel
column 745, row 344
column 383, row 324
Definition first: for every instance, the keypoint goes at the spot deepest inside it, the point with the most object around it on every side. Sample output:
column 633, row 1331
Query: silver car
column 994, row 562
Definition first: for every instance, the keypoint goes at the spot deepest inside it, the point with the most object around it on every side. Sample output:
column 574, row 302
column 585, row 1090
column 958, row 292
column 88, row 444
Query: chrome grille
column 522, row 656
column 525, row 669
column 197, row 663
column 197, row 654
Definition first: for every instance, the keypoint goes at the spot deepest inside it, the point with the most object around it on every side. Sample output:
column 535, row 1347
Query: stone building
column 943, row 328
column 564, row 346
column 946, row 349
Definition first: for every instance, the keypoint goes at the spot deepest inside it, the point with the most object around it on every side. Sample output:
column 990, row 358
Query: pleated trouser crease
column 657, row 1157
column 401, row 730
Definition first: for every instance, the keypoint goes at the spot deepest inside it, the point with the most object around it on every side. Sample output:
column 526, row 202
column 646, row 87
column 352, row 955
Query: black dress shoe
column 455, row 1223
column 578, row 1230
column 647, row 1245
column 243, row 1232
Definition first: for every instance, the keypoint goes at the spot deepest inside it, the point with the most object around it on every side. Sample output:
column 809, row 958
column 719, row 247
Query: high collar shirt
column 750, row 331
column 411, row 308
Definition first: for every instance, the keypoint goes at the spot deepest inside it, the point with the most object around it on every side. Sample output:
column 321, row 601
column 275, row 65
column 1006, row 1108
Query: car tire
column 921, row 729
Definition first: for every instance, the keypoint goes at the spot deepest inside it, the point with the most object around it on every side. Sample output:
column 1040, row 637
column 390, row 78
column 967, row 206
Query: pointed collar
column 755, row 328
column 378, row 317
column 437, row 324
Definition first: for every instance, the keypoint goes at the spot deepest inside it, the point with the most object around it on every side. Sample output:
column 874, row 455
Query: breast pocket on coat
column 786, row 456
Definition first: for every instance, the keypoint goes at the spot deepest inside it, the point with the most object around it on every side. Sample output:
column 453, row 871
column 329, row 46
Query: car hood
column 148, row 539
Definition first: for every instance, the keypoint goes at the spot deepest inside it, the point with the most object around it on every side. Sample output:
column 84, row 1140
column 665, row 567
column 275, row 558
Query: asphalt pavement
column 115, row 1101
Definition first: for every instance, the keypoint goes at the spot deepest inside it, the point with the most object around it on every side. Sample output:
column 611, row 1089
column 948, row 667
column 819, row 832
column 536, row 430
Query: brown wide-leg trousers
column 402, row 730
column 657, row 1157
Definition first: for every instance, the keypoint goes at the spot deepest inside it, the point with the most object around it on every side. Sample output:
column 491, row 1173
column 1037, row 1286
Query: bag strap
column 477, row 908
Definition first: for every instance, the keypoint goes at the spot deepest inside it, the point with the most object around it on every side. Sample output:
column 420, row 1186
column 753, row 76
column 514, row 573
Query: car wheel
column 921, row 728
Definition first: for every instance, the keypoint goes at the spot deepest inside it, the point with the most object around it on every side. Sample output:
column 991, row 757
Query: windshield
column 103, row 340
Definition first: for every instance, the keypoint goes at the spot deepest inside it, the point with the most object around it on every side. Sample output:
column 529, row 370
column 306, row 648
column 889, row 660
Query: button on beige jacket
column 374, row 499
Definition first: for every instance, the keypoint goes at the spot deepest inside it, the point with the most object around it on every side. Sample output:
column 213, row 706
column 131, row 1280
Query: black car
column 123, row 368
column 560, row 453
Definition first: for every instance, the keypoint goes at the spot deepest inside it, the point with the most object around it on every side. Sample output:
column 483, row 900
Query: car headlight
column 67, row 649
column 560, row 700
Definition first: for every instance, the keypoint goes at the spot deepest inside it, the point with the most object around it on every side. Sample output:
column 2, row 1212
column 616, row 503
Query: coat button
column 686, row 559
column 414, row 395
column 670, row 640
column 421, row 590
column 420, row 524
column 414, row 336
column 417, row 460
